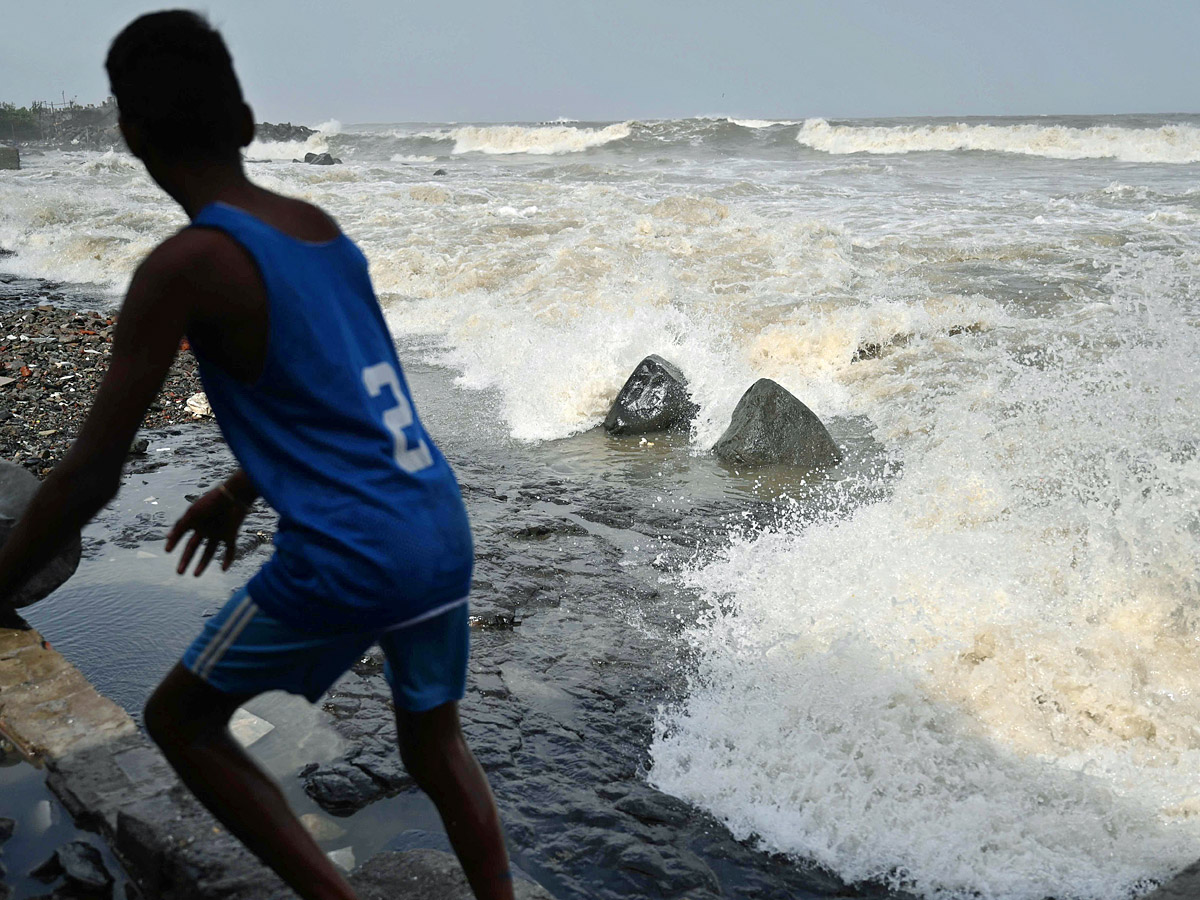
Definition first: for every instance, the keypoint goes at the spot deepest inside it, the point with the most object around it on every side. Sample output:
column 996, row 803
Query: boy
column 373, row 544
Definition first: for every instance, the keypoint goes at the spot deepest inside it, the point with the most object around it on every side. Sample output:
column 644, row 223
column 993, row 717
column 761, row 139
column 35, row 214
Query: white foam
column 661, row 278
column 537, row 140
column 983, row 686
column 762, row 123
column 1166, row 144
column 90, row 219
column 318, row 142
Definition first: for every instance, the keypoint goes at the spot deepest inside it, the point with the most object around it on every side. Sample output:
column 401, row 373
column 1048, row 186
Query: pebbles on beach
column 51, row 363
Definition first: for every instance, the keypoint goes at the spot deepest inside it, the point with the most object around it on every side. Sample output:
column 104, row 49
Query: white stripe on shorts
column 224, row 638
column 425, row 616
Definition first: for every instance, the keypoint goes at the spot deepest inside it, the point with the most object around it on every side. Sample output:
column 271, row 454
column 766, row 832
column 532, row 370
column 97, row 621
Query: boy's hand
column 216, row 518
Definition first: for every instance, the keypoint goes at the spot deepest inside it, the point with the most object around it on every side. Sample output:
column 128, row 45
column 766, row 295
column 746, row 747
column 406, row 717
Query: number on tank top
column 411, row 457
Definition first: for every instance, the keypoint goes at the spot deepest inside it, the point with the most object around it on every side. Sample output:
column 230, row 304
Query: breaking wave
column 289, row 150
column 537, row 140
column 983, row 686
column 1176, row 143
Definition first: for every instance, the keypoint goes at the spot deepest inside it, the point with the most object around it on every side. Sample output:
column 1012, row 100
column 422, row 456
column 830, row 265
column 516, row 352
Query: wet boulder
column 771, row 426
column 17, row 488
column 80, row 864
column 654, row 398
column 340, row 788
column 10, row 158
column 284, row 131
column 321, row 159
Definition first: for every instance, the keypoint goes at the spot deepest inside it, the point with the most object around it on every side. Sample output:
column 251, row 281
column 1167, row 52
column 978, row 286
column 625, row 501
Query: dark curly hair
column 172, row 74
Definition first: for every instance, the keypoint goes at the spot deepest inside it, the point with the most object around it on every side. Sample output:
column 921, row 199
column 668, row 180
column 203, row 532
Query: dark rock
column 771, row 426
column 384, row 767
column 308, row 157
column 370, row 663
column 495, row 622
column 284, row 131
column 17, row 488
column 657, row 809
column 83, row 866
column 175, row 850
column 47, row 871
column 670, row 873
column 10, row 158
column 539, row 531
column 1184, row 886
column 321, row 159
column 428, row 874
column 140, row 446
column 654, row 398
column 7, row 827
column 340, row 788
column 439, row 172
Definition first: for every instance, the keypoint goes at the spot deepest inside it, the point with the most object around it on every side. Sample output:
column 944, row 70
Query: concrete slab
column 111, row 779
column 428, row 874
column 114, row 781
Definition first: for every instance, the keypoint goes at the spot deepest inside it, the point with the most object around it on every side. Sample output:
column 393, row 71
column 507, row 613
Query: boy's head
column 178, row 95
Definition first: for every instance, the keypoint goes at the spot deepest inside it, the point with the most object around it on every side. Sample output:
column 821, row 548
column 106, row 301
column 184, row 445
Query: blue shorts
column 242, row 650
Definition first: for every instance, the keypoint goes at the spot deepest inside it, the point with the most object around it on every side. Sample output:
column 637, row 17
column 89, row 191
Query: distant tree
column 19, row 123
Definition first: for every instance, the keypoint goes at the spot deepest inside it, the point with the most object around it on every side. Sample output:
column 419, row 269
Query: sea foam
column 982, row 686
column 537, row 140
column 1165, row 144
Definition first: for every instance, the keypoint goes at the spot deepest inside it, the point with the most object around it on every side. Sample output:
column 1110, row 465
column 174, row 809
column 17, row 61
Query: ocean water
column 984, row 681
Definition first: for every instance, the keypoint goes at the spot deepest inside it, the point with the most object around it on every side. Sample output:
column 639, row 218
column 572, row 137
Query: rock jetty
column 284, row 131
column 655, row 398
column 771, row 426
column 74, row 126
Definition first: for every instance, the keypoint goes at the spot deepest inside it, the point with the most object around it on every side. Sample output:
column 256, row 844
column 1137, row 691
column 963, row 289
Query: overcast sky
column 528, row 60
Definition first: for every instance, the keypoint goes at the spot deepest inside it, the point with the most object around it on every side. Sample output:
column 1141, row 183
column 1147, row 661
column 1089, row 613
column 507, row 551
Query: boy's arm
column 154, row 318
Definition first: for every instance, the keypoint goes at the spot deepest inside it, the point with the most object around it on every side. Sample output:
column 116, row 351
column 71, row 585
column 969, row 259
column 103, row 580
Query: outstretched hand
column 215, row 518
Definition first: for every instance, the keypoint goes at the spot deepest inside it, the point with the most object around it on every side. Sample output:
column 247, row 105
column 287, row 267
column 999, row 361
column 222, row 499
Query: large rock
column 770, row 426
column 1184, row 886
column 428, row 874
column 340, row 788
column 284, row 131
column 321, row 159
column 80, row 864
column 17, row 488
column 10, row 158
column 654, row 398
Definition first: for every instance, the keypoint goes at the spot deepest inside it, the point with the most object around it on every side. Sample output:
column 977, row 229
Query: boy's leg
column 427, row 669
column 188, row 719
column 436, row 754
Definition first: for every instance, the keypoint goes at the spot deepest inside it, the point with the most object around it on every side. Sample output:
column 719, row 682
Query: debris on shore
column 51, row 363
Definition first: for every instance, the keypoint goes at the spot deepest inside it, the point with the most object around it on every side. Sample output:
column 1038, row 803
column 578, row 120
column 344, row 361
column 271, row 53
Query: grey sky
column 473, row 60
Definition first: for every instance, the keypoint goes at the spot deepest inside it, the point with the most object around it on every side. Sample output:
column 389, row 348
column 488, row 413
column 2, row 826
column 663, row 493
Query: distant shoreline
column 72, row 126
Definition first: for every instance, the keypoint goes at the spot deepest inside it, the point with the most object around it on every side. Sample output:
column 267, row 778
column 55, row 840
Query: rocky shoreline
column 77, row 126
column 51, row 363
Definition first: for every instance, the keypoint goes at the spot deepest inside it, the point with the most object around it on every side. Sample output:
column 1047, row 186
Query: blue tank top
column 372, row 528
